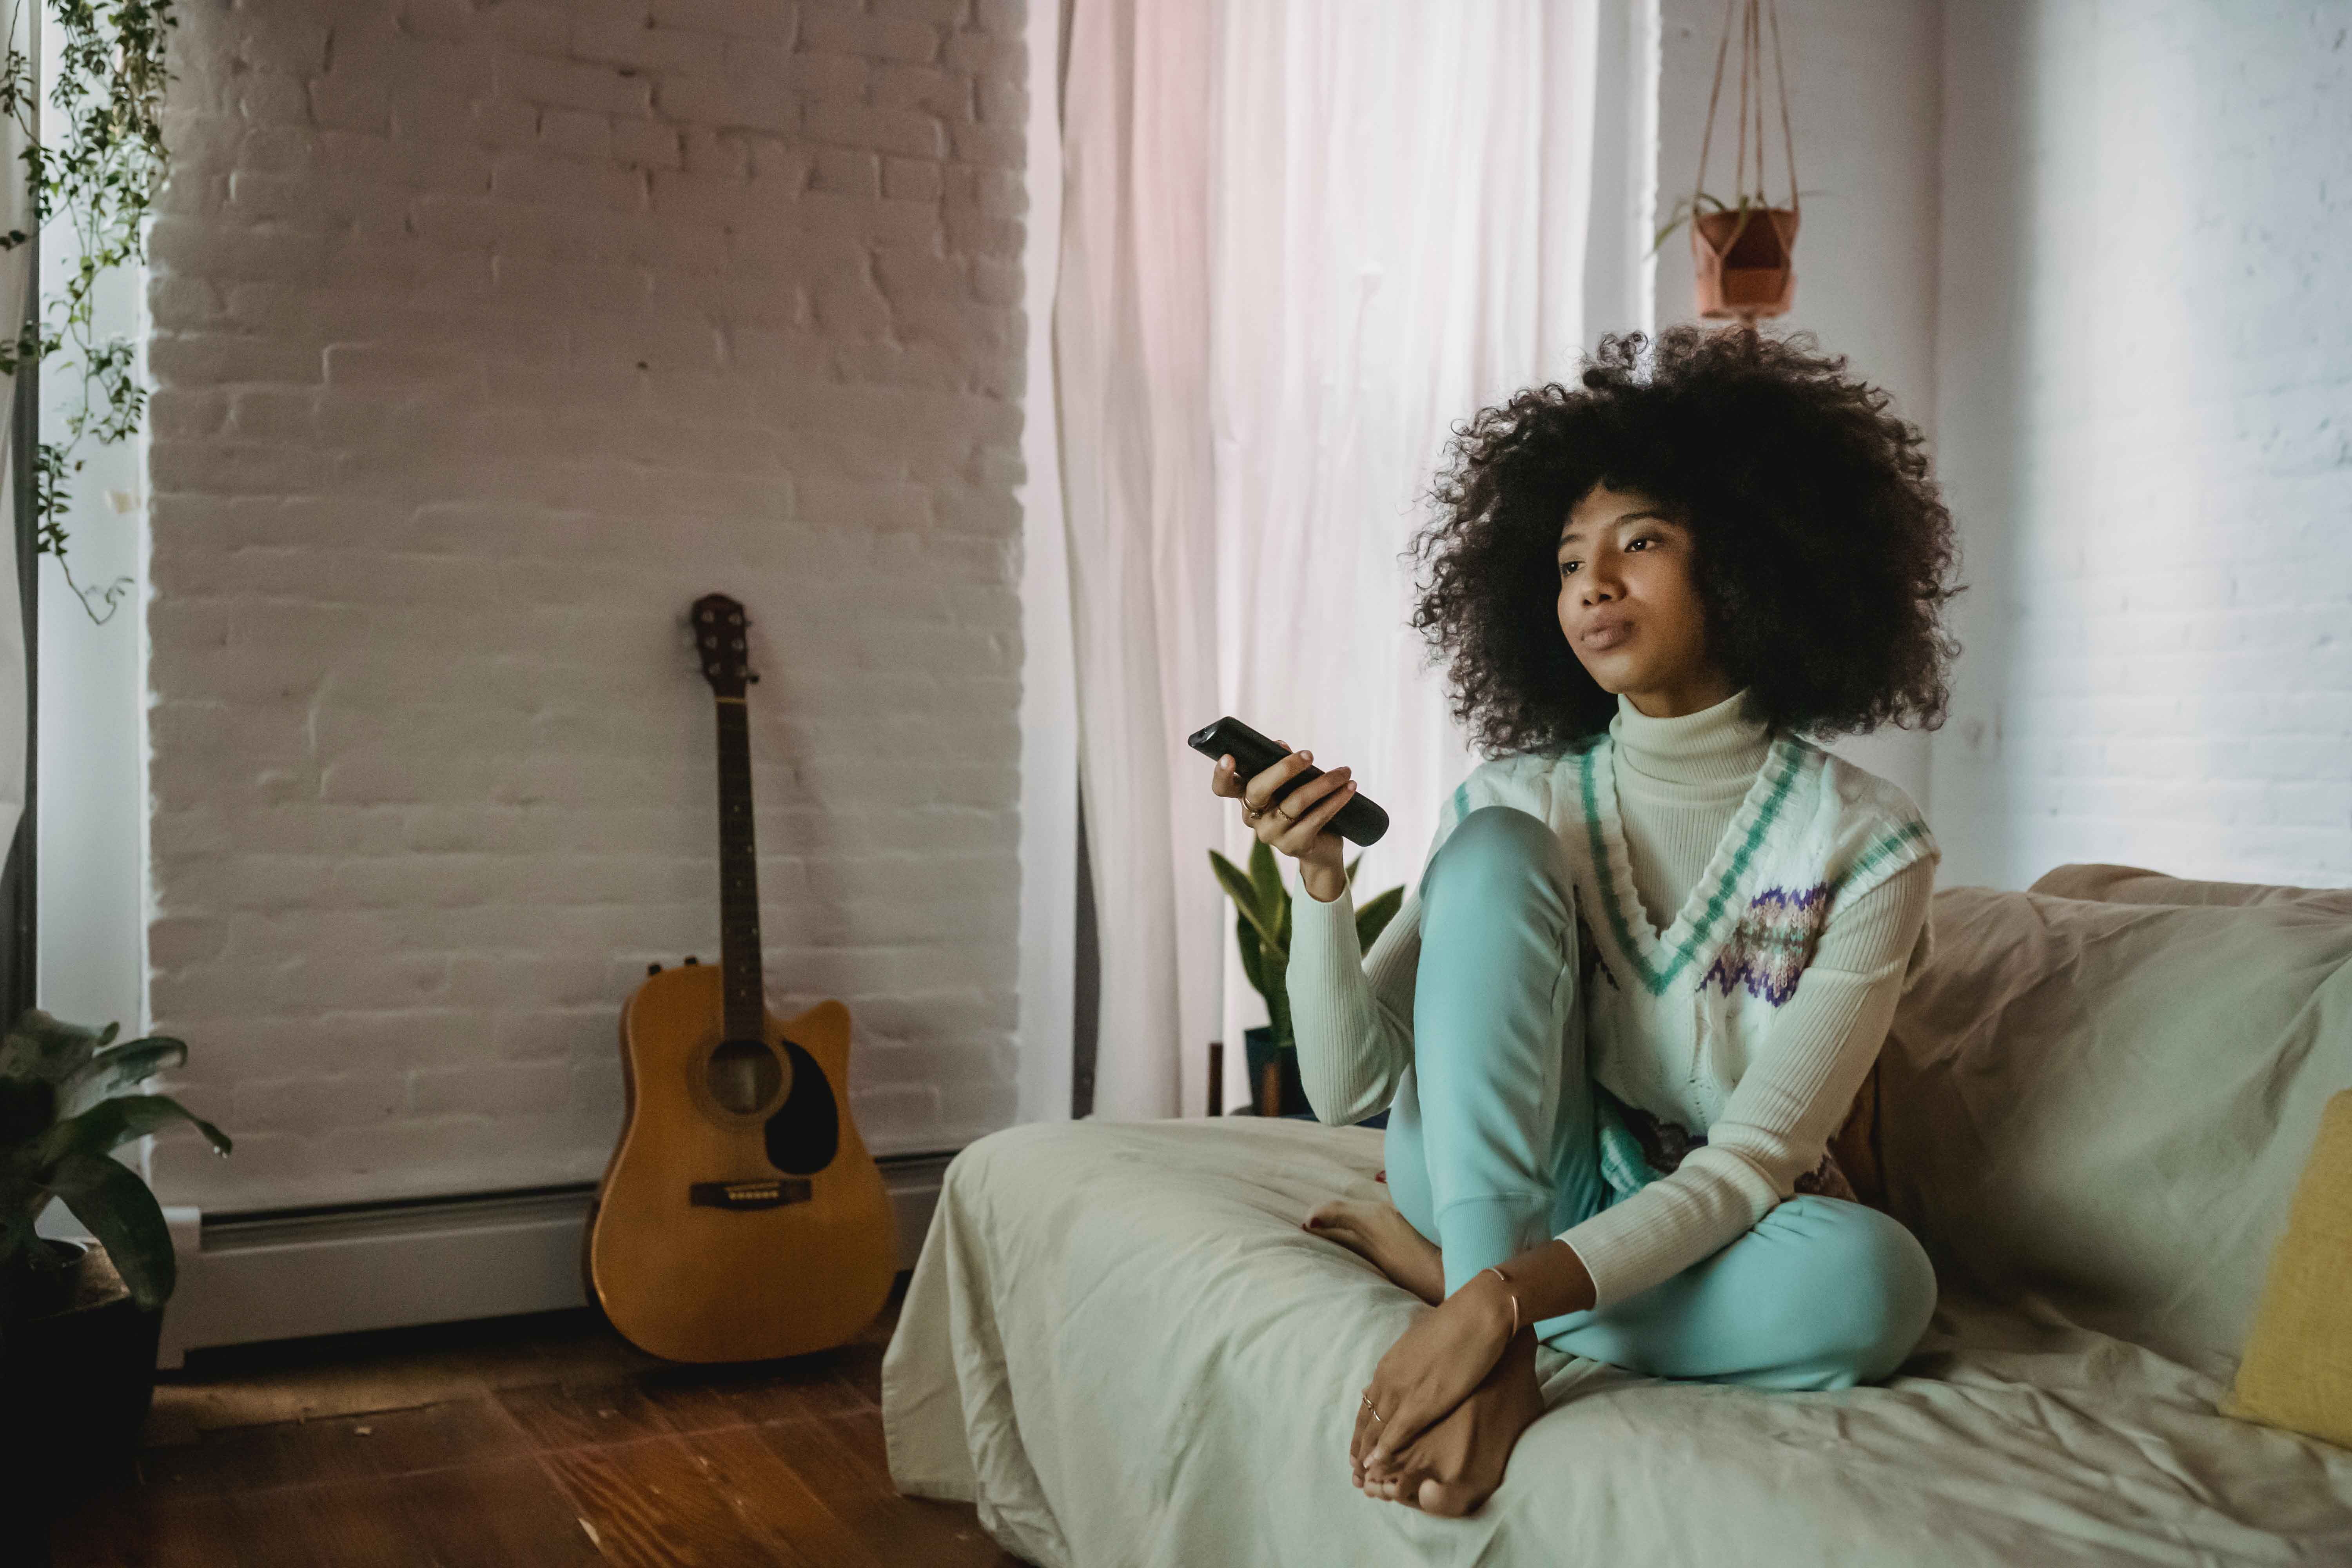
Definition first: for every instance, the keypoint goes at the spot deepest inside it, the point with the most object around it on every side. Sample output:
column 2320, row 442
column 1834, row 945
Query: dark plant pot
column 81, row 1351
column 1290, row 1091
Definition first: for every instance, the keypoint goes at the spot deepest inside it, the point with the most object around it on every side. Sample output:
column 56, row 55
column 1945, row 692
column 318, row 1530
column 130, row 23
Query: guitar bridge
column 773, row 1195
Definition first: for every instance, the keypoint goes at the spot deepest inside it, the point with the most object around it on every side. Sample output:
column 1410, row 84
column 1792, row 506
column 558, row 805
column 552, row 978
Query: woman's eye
column 1641, row 540
column 1566, row 567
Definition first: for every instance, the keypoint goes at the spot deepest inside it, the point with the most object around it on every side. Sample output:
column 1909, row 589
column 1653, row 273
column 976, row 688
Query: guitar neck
column 739, row 876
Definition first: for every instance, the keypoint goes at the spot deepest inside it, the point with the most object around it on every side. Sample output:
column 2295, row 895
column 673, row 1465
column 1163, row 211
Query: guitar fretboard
column 738, row 876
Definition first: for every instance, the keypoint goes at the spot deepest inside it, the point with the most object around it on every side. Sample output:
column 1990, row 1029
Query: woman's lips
column 1606, row 636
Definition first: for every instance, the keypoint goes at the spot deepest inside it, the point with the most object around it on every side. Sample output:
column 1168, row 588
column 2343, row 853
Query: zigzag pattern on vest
column 1769, row 949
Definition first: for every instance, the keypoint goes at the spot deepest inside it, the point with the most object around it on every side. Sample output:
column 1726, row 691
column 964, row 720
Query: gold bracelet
column 1505, row 1278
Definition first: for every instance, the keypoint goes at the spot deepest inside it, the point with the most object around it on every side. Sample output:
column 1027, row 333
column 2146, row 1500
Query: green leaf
column 121, row 1212
column 1253, row 961
column 1276, row 991
column 1278, row 1016
column 113, row 1123
column 1266, row 875
column 1350, row 872
column 1374, row 916
column 1243, row 894
column 41, row 1046
column 118, row 1067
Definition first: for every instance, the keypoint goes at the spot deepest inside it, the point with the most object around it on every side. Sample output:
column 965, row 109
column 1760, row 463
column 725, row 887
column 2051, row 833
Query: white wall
column 485, row 339
column 1863, row 105
column 2145, row 396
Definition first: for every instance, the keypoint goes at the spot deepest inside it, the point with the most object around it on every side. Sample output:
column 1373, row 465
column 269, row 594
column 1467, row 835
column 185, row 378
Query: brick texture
column 2145, row 370
column 485, row 339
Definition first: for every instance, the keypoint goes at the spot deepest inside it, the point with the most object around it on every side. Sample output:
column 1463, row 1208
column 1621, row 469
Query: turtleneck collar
column 1716, row 746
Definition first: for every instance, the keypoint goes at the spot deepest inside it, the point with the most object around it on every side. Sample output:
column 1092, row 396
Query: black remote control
column 1359, row 821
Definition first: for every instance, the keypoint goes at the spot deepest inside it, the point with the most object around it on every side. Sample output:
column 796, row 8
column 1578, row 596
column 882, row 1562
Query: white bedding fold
column 1120, row 1345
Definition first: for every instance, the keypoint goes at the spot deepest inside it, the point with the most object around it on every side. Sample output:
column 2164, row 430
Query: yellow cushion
column 2297, row 1369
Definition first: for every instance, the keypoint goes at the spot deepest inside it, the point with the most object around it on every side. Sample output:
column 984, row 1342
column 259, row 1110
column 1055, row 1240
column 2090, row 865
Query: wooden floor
column 515, row 1443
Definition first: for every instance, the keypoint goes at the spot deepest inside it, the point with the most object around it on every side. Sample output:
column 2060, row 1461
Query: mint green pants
column 1497, row 1142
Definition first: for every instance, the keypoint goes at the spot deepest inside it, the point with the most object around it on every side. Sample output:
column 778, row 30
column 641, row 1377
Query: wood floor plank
column 139, row 1527
column 861, row 1368
column 654, row 1504
column 831, row 1456
column 696, row 1399
column 576, row 1415
column 507, row 1513
column 458, row 1432
column 771, row 1497
column 545, row 1443
column 254, row 1458
column 344, row 1524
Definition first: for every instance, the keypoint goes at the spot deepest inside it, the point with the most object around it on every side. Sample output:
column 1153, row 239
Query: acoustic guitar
column 740, row 1216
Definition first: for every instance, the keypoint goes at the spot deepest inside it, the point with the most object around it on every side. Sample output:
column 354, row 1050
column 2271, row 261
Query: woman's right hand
column 1297, row 825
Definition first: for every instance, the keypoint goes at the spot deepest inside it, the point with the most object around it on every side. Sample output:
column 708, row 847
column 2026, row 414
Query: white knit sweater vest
column 1675, row 1017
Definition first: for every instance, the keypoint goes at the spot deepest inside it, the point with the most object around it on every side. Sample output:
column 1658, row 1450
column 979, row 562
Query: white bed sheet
column 1122, row 1347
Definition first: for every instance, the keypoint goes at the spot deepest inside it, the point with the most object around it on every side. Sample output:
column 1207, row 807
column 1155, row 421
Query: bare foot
column 1456, row 1465
column 1379, row 1232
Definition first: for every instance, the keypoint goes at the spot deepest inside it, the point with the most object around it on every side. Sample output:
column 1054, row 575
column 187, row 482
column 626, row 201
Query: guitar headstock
column 719, row 641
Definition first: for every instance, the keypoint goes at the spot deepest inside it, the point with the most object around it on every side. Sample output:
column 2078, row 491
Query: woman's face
column 1629, row 608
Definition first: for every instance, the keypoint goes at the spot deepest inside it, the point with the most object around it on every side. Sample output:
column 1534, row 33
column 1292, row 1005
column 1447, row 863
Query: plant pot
column 81, row 1352
column 1745, row 262
column 1289, row 1091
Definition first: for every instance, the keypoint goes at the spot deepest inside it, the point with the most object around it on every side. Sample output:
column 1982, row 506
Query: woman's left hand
column 1432, row 1368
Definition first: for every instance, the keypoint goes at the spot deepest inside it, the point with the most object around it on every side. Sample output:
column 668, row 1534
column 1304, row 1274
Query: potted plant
column 1743, row 254
column 1263, row 929
column 78, row 1321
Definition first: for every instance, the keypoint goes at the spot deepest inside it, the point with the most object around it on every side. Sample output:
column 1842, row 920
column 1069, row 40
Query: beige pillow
column 2297, row 1371
column 2111, row 1104
column 2135, row 885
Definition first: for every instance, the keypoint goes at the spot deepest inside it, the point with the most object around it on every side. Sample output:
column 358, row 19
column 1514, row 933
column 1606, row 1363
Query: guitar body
column 741, row 1216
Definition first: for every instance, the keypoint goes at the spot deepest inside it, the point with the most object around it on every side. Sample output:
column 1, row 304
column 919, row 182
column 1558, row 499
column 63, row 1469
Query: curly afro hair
column 1821, row 544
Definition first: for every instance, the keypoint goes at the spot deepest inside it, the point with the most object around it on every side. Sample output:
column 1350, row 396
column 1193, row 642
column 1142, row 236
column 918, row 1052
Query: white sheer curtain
column 1301, row 239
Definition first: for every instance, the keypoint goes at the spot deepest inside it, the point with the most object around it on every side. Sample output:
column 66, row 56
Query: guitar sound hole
column 744, row 1075
column 804, row 1133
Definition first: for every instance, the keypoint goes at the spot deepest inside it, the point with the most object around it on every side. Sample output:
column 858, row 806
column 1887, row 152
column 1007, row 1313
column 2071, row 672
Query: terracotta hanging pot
column 1745, row 261
column 1744, row 254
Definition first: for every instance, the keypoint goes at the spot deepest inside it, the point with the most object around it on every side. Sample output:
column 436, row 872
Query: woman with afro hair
column 1660, row 934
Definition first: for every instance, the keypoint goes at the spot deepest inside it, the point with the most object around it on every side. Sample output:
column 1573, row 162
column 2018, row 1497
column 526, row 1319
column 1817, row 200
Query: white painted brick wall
column 485, row 337
column 2145, row 385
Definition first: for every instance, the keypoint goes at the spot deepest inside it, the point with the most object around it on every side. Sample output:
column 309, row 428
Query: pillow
column 2297, row 1372
column 2109, row 1105
column 2133, row 885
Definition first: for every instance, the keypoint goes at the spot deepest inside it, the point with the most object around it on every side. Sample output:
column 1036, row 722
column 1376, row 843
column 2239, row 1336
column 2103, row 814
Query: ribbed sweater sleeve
column 1780, row 1116
column 1352, row 1013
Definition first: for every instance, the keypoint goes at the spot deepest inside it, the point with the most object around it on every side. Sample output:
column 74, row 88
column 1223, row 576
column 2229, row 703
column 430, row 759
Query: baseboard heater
column 293, row 1273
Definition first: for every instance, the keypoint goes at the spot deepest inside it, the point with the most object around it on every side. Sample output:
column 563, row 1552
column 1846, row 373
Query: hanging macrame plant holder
column 1745, row 255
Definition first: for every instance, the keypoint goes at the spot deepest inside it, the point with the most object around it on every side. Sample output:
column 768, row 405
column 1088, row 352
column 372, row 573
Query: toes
column 1451, row 1499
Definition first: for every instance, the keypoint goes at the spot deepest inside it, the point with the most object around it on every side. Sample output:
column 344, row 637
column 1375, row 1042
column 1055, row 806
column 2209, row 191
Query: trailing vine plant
column 104, row 173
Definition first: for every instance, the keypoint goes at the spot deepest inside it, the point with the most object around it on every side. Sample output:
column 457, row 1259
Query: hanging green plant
column 104, row 171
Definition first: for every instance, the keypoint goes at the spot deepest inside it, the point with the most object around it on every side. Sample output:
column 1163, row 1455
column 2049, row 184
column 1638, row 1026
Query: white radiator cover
column 489, row 1256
